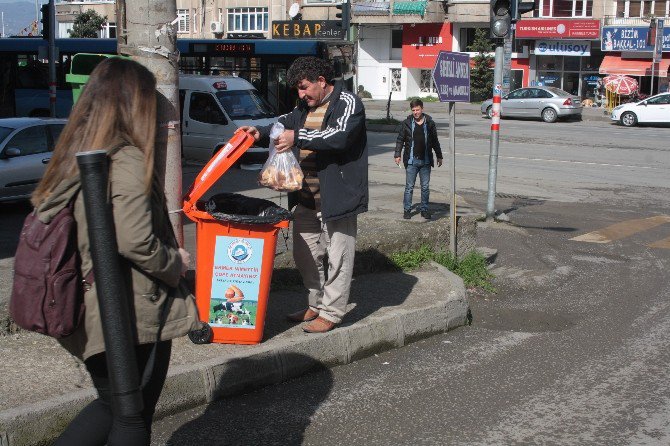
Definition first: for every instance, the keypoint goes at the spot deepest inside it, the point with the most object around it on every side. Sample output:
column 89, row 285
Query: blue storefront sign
column 452, row 76
column 630, row 38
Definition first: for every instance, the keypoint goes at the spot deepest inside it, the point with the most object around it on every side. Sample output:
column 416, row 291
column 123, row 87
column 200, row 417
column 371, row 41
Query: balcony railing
column 611, row 20
column 371, row 8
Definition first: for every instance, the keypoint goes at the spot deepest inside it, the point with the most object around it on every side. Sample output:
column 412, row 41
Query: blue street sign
column 630, row 38
column 452, row 76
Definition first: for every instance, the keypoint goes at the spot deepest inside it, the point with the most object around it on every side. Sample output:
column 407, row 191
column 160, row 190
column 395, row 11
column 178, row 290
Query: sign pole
column 495, row 131
column 452, row 154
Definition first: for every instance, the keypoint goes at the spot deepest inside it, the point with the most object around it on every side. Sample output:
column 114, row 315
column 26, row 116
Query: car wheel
column 628, row 119
column 489, row 112
column 549, row 115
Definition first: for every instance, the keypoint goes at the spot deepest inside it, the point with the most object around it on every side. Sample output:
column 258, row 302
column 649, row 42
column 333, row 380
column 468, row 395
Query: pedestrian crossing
column 627, row 228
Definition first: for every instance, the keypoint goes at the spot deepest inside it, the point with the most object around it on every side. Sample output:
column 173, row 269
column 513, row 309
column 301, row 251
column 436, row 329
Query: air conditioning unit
column 216, row 27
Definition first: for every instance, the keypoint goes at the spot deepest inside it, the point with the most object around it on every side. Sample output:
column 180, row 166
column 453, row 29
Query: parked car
column 655, row 109
column 548, row 103
column 25, row 149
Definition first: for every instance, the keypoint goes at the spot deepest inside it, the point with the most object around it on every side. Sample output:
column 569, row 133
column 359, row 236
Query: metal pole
column 495, row 129
column 113, row 298
column 653, row 66
column 52, row 59
column 452, row 154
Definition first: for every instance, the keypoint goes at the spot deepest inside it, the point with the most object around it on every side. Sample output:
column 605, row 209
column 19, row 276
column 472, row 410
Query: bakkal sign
column 631, row 38
column 307, row 29
column 562, row 48
column 557, row 29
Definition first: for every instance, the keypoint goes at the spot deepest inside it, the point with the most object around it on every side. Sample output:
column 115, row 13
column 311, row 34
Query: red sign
column 557, row 29
column 422, row 42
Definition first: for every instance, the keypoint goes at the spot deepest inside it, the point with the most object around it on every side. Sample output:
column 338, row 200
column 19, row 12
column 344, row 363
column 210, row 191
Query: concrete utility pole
column 146, row 31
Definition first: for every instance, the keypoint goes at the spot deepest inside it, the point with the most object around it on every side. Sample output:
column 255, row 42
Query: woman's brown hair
column 117, row 106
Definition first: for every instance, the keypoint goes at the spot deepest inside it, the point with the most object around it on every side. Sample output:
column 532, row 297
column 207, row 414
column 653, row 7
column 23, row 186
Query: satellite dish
column 294, row 10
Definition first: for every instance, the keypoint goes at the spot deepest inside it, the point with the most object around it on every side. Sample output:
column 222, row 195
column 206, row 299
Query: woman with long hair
column 117, row 112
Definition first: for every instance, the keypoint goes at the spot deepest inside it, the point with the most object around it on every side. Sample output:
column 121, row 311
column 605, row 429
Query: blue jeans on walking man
column 422, row 168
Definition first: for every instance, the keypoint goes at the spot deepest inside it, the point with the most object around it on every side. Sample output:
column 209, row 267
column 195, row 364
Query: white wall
column 375, row 61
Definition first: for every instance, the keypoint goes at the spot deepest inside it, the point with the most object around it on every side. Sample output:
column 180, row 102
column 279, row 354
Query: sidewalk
column 43, row 387
column 376, row 108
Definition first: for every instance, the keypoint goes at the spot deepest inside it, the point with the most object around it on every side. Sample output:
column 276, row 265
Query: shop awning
column 417, row 7
column 613, row 64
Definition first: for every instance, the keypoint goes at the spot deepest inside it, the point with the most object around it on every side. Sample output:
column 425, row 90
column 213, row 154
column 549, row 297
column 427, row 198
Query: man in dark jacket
column 327, row 134
column 417, row 140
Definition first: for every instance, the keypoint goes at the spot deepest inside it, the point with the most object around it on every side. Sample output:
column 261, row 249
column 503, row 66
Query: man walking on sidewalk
column 417, row 140
column 327, row 133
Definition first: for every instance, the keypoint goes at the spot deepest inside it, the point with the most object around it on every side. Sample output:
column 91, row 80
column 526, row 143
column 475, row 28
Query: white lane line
column 587, row 163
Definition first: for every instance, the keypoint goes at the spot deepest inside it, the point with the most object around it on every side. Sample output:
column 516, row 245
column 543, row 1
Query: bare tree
column 146, row 32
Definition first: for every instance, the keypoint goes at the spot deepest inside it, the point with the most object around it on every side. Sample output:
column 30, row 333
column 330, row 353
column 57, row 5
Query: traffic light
column 345, row 15
column 46, row 21
column 519, row 8
column 501, row 18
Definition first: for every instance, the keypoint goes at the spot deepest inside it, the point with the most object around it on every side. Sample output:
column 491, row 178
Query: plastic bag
column 281, row 171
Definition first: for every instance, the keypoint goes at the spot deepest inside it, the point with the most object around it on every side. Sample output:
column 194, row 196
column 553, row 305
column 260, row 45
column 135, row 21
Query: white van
column 213, row 107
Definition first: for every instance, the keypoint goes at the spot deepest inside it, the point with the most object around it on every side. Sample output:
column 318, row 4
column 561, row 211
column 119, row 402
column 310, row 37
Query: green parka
column 150, row 261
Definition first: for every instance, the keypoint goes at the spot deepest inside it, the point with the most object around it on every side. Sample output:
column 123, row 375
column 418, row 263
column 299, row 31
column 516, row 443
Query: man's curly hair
column 309, row 68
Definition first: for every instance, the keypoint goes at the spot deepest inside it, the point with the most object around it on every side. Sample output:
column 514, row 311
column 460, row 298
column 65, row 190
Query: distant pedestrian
column 327, row 132
column 117, row 112
column 416, row 142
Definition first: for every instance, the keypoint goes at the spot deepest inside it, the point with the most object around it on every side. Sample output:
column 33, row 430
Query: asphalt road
column 572, row 349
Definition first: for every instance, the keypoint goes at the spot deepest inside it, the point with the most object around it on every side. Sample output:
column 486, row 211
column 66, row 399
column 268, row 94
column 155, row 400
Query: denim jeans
column 423, row 169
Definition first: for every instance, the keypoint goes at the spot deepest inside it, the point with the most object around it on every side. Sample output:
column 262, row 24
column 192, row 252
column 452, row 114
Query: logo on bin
column 239, row 251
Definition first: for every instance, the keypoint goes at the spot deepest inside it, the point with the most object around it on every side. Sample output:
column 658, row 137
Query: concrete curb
column 190, row 386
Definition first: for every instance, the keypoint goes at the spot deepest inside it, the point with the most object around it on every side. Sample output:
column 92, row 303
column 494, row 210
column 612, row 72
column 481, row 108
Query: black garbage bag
column 240, row 209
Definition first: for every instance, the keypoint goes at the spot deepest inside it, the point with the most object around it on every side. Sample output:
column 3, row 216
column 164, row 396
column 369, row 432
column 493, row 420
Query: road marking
column 664, row 244
column 588, row 163
column 624, row 229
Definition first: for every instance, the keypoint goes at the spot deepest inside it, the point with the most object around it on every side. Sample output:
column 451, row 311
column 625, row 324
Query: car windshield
column 245, row 104
column 558, row 91
column 4, row 132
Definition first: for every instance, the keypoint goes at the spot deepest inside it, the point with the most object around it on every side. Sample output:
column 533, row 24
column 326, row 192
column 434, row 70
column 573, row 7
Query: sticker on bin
column 235, row 282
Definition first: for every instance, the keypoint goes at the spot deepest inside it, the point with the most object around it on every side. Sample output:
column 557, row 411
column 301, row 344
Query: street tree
column 146, row 32
column 87, row 24
column 481, row 74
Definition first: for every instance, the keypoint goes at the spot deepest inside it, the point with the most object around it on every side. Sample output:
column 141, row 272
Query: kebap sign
column 452, row 76
column 562, row 47
column 631, row 38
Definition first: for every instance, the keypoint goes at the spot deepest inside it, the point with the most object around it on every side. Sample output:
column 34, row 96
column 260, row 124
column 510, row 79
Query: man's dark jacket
column 341, row 153
column 404, row 142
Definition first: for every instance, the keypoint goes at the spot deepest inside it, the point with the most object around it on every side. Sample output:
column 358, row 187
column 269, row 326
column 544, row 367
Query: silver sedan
column 547, row 103
column 25, row 150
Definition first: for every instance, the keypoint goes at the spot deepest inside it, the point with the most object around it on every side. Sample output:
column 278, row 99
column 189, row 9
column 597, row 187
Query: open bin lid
column 213, row 170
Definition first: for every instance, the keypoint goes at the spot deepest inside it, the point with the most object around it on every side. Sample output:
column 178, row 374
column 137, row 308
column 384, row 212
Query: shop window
column 550, row 63
column 571, row 63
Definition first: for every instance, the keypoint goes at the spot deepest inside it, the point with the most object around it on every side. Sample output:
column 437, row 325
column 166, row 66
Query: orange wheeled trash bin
column 236, row 237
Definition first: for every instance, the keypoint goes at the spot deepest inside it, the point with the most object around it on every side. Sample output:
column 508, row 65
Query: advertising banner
column 422, row 43
column 631, row 38
column 558, row 29
column 452, row 76
column 562, row 48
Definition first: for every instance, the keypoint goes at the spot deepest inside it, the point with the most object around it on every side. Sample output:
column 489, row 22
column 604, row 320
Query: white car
column 655, row 109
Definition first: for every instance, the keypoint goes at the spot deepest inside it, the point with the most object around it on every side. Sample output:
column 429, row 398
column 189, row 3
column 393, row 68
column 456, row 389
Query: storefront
column 421, row 43
column 564, row 53
column 629, row 52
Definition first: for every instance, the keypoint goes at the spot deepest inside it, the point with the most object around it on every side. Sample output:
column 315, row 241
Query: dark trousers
column 96, row 426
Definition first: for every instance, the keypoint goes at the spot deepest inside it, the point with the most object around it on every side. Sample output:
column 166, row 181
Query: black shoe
column 426, row 215
column 407, row 215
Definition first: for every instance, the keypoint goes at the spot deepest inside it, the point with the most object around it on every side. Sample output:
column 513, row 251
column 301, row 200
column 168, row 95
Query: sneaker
column 426, row 215
column 407, row 215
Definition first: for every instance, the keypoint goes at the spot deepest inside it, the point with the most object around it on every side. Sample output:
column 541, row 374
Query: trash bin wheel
column 203, row 335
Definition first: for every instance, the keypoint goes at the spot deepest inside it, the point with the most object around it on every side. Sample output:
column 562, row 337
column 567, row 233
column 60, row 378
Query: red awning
column 633, row 67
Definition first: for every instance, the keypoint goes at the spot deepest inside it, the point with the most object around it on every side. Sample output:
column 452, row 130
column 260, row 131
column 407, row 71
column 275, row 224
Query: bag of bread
column 281, row 171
